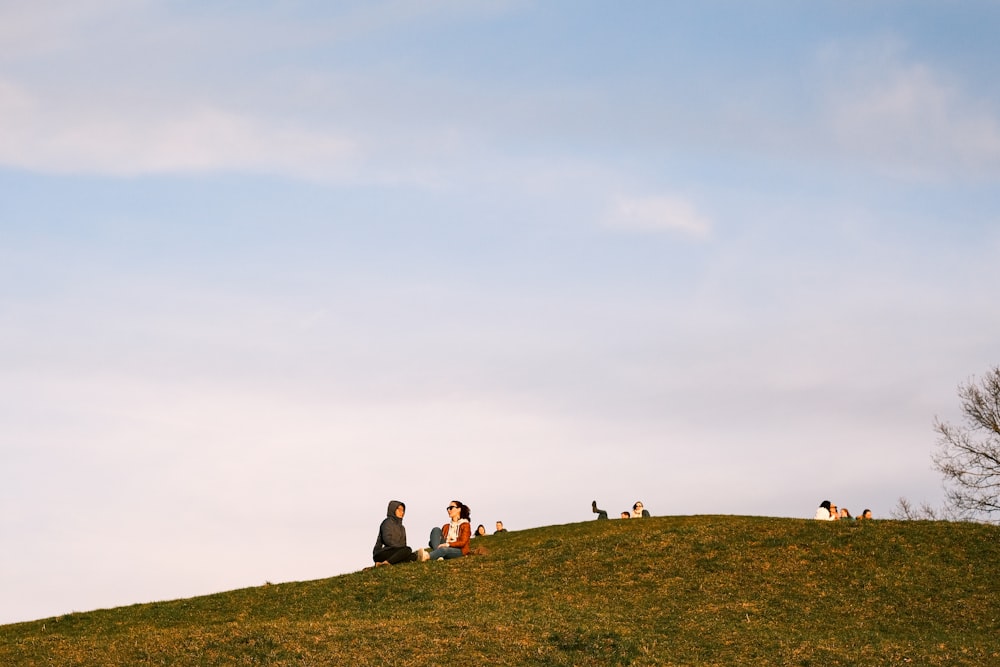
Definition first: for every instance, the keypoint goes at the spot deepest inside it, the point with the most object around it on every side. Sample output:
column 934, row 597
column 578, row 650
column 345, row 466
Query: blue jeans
column 438, row 551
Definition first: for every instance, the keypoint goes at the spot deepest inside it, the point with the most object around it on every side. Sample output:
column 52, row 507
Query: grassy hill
column 699, row 590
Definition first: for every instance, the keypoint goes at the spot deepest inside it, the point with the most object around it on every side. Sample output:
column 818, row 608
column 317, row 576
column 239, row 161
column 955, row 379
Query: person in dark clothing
column 390, row 547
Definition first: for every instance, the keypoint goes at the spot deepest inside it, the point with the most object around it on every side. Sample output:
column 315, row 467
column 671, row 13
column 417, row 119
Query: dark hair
column 825, row 505
column 464, row 512
column 481, row 527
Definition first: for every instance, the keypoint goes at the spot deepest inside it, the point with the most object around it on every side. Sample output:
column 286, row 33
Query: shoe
column 422, row 555
column 382, row 562
column 440, row 557
column 593, row 506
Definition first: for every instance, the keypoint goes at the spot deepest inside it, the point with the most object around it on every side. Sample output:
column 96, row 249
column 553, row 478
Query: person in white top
column 638, row 511
column 826, row 511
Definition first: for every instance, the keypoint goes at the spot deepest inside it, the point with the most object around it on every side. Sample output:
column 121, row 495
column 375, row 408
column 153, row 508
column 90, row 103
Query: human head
column 626, row 515
column 394, row 507
column 825, row 505
column 637, row 507
column 463, row 510
column 867, row 514
column 845, row 513
column 499, row 525
column 481, row 530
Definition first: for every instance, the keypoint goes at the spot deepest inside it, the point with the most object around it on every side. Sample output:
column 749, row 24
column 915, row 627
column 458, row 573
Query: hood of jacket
column 393, row 504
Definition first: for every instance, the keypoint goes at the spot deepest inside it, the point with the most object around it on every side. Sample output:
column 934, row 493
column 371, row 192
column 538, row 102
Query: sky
column 265, row 266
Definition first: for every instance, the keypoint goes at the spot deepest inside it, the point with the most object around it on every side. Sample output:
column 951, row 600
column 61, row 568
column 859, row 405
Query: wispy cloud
column 911, row 118
column 49, row 135
column 658, row 213
column 50, row 26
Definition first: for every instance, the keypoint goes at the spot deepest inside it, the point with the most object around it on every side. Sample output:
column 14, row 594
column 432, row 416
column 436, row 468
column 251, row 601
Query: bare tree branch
column 969, row 456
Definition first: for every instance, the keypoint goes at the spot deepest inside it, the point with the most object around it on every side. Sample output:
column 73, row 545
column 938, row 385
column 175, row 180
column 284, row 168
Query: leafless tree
column 969, row 455
column 906, row 510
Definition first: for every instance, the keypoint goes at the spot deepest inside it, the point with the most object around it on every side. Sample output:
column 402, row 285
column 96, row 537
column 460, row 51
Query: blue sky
column 265, row 266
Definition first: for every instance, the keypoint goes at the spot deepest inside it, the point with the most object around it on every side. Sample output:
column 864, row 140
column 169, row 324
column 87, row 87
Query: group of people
column 481, row 530
column 827, row 511
column 638, row 511
column 452, row 539
column 448, row 541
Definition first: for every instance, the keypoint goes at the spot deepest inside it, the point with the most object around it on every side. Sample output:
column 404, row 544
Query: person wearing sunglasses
column 452, row 539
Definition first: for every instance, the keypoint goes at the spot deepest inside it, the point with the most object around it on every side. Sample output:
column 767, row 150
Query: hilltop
column 699, row 590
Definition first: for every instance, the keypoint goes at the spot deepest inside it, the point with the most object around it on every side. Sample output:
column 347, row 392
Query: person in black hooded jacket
column 390, row 547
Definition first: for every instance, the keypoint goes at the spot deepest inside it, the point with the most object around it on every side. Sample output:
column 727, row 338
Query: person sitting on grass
column 500, row 528
column 390, row 546
column 867, row 514
column 480, row 531
column 845, row 514
column 452, row 539
column 638, row 511
column 825, row 512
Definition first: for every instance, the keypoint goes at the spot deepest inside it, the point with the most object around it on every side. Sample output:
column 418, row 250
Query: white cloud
column 44, row 27
column 658, row 213
column 51, row 135
column 914, row 120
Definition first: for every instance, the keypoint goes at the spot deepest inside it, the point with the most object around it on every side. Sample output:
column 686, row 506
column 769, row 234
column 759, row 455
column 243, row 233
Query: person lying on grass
column 638, row 511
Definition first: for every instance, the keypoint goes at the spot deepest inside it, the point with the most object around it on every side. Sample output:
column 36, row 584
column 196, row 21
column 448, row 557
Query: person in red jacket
column 452, row 539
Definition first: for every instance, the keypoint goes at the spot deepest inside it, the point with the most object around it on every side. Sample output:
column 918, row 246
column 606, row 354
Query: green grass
column 701, row 590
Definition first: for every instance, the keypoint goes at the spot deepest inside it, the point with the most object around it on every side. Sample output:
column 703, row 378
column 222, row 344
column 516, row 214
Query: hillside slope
column 700, row 590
